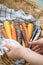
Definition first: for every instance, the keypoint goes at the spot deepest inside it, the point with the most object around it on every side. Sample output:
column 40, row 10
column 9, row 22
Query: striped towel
column 11, row 14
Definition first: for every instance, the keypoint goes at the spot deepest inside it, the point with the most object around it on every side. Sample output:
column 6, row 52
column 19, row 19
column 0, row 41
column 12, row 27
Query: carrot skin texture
column 7, row 29
column 4, row 33
column 26, row 30
column 13, row 31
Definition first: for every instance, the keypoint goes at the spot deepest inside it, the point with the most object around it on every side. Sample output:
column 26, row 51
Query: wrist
column 24, row 52
column 21, row 50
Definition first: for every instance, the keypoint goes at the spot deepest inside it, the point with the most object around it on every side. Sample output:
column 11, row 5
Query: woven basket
column 30, row 8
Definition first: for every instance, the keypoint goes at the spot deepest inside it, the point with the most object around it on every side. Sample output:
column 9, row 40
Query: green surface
column 39, row 2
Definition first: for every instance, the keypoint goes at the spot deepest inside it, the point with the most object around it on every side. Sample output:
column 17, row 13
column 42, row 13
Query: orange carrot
column 26, row 30
column 13, row 32
column 4, row 33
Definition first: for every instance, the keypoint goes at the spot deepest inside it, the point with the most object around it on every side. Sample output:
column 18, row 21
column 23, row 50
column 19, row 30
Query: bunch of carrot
column 28, row 30
column 20, row 32
column 9, row 30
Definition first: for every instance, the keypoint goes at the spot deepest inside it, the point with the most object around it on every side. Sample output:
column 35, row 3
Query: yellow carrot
column 21, row 27
column 7, row 29
column 4, row 33
column 30, row 30
column 23, row 43
column 13, row 23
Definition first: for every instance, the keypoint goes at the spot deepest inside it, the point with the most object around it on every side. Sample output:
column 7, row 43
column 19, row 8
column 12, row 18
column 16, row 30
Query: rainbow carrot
column 7, row 29
column 13, row 32
column 26, row 30
column 21, row 27
column 4, row 33
column 23, row 43
column 24, row 38
column 30, row 30
column 17, row 27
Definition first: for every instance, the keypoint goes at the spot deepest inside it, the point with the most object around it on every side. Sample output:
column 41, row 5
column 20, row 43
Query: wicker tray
column 30, row 8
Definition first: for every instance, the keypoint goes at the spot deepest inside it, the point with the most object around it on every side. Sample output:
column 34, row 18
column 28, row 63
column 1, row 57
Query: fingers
column 35, row 47
column 8, row 46
column 40, row 42
column 9, row 54
column 41, row 52
column 37, row 50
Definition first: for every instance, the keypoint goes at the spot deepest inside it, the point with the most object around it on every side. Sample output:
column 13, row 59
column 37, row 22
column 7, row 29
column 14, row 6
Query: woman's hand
column 39, row 42
column 37, row 46
column 15, row 50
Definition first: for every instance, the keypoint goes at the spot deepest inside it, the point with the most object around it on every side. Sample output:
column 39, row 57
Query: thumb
column 8, row 46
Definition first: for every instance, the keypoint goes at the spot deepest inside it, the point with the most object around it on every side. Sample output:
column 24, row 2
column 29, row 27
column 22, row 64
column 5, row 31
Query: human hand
column 39, row 42
column 37, row 46
column 15, row 50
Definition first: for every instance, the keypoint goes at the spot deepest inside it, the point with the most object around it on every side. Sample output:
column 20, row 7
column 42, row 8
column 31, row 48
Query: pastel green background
column 39, row 2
